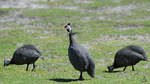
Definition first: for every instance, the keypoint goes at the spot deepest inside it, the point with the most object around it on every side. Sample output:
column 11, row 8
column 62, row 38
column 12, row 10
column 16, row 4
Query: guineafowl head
column 68, row 27
column 110, row 68
column 6, row 62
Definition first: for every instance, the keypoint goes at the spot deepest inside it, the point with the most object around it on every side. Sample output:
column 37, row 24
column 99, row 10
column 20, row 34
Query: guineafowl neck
column 115, row 66
column 12, row 62
column 71, row 38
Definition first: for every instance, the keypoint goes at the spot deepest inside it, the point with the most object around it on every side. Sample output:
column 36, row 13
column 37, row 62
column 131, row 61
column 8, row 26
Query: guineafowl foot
column 132, row 68
column 81, row 77
column 33, row 67
column 27, row 67
column 124, row 68
column 33, row 70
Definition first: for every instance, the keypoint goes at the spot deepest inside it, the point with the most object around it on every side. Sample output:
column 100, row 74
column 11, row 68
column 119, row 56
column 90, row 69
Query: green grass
column 101, row 36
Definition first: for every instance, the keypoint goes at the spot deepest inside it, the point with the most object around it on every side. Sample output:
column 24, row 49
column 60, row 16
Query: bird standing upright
column 79, row 56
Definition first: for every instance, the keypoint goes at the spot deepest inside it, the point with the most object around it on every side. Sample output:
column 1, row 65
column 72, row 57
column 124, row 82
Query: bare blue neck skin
column 6, row 63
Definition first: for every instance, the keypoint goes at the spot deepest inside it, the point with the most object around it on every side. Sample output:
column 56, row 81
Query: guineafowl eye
column 6, row 62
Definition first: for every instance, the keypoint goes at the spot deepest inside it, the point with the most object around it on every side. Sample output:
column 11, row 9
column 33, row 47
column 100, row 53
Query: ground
column 104, row 27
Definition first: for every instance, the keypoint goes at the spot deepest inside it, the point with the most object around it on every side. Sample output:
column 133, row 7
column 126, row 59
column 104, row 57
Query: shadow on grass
column 64, row 80
column 112, row 71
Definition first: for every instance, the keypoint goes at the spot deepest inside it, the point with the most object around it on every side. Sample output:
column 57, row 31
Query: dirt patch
column 69, row 7
column 48, row 32
column 5, row 28
column 89, row 18
column 94, row 10
column 3, row 13
column 136, row 37
column 32, row 31
column 42, row 37
column 146, row 66
column 127, row 28
column 19, row 44
column 109, row 13
column 83, row 1
column 51, row 0
column 116, row 1
column 101, row 62
column 3, row 34
column 120, row 9
column 124, row 74
column 104, row 61
column 102, row 18
column 38, row 25
column 21, row 4
column 16, row 17
column 145, row 18
column 124, row 28
column 100, row 77
column 86, row 19
column 147, row 9
column 126, row 9
column 113, row 13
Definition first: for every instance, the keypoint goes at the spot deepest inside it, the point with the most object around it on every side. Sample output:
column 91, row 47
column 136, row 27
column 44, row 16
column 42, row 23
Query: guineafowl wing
column 78, row 57
column 139, row 50
column 132, row 57
column 30, row 46
column 126, row 57
column 25, row 56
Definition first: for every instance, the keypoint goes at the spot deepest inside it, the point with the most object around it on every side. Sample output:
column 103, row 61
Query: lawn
column 104, row 27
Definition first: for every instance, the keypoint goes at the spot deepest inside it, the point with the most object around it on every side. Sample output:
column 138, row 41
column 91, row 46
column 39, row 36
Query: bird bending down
column 79, row 56
column 128, row 56
column 27, row 54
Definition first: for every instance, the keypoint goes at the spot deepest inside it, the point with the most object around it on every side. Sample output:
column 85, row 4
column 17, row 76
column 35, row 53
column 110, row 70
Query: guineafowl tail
column 91, row 68
column 42, row 58
column 91, row 73
column 145, row 58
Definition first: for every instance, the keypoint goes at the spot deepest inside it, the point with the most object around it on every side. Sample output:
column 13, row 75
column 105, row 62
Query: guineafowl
column 26, row 54
column 128, row 56
column 79, row 56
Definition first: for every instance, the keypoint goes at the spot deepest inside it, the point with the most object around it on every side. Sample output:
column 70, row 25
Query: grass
column 102, row 37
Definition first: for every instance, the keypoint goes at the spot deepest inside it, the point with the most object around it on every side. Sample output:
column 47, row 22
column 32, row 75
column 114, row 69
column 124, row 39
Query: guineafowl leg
column 81, row 77
column 124, row 68
column 27, row 67
column 33, row 67
column 132, row 67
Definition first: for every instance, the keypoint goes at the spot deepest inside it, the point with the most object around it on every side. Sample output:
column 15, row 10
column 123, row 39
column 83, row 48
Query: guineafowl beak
column 66, row 28
column 6, row 62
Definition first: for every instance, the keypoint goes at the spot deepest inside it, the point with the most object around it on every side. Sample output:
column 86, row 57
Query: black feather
column 128, row 56
column 27, row 54
column 80, row 58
